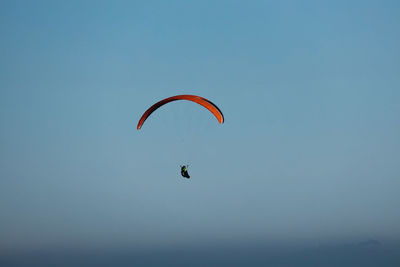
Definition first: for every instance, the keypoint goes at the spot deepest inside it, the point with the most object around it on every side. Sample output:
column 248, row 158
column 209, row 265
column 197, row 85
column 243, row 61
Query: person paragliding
column 207, row 104
column 184, row 171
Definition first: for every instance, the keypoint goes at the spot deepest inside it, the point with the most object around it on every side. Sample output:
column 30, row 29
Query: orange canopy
column 197, row 99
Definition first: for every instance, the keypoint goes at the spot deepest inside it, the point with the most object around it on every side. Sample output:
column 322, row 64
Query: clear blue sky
column 309, row 149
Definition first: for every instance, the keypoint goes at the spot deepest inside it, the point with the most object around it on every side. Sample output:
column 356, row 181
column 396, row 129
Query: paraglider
column 196, row 99
column 184, row 171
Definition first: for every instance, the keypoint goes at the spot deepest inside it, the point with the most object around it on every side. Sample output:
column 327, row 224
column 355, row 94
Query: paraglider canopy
column 197, row 99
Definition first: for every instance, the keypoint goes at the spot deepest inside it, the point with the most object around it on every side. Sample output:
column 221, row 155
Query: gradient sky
column 309, row 150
